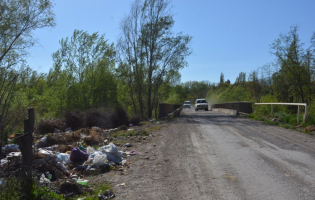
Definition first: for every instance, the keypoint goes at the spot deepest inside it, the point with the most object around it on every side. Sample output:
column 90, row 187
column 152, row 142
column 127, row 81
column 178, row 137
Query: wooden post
column 25, row 143
column 271, row 110
column 298, row 114
column 306, row 113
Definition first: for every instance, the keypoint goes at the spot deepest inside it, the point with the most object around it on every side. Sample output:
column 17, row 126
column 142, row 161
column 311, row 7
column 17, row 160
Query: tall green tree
column 84, row 67
column 149, row 51
column 295, row 63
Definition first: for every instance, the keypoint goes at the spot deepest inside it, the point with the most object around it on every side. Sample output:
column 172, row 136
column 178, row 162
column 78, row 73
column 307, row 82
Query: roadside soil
column 210, row 155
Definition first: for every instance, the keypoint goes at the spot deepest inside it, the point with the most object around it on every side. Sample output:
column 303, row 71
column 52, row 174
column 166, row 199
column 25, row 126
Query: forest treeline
column 137, row 73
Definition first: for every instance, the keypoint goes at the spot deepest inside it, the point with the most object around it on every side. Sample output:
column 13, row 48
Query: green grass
column 97, row 189
column 44, row 193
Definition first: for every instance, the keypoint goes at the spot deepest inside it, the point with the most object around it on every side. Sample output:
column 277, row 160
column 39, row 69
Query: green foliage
column 150, row 54
column 266, row 109
column 10, row 188
column 44, row 193
column 97, row 189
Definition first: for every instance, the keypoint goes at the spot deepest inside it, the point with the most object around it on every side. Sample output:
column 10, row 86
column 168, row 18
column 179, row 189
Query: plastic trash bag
column 11, row 148
column 111, row 152
column 63, row 157
column 78, row 155
column 43, row 179
column 42, row 143
column 99, row 160
column 90, row 150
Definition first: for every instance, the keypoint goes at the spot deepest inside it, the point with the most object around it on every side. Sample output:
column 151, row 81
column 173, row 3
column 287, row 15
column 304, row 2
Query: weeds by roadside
column 288, row 121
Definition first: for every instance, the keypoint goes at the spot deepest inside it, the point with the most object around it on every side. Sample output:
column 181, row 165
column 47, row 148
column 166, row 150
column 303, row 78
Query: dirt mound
column 63, row 138
column 49, row 126
column 94, row 138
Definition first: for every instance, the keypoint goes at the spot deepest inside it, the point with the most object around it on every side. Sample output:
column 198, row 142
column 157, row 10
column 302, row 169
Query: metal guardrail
column 305, row 118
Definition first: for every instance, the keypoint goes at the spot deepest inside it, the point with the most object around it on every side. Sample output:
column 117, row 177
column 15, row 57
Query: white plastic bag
column 63, row 157
column 111, row 152
column 43, row 179
column 99, row 160
column 90, row 150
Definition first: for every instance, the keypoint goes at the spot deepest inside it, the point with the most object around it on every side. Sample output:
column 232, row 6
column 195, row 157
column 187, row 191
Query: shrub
column 98, row 118
column 119, row 117
column 75, row 120
column 135, row 119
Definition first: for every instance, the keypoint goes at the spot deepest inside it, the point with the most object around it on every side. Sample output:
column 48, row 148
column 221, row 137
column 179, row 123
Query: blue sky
column 229, row 36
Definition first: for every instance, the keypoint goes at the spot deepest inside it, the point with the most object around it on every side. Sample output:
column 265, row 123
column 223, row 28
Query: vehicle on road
column 187, row 104
column 201, row 104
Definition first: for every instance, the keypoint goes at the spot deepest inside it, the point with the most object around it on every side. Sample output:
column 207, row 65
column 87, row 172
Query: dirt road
column 210, row 155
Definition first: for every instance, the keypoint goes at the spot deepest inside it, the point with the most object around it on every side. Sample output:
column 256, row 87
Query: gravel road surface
column 210, row 155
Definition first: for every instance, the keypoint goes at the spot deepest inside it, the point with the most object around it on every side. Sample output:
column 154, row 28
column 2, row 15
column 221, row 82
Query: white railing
column 293, row 104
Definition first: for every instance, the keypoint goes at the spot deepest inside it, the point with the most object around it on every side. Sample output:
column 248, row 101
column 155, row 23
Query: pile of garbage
column 69, row 156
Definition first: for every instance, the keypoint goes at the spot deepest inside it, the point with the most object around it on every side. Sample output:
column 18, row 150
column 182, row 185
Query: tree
column 18, row 20
column 149, row 52
column 221, row 78
column 83, row 67
column 296, row 67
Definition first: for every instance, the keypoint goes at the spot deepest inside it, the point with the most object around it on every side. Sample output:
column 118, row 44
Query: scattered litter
column 99, row 160
column 112, row 153
column 108, row 194
column 69, row 129
column 90, row 150
column 15, row 154
column 133, row 152
column 128, row 145
column 63, row 168
column 82, row 182
column 63, row 157
column 11, row 148
column 42, row 143
column 46, row 152
column 43, row 179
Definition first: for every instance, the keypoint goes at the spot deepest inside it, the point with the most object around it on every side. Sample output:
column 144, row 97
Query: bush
column 75, row 120
column 119, row 117
column 135, row 119
column 98, row 118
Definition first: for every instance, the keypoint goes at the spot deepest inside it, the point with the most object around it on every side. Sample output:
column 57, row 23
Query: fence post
column 298, row 114
column 271, row 110
column 306, row 113
column 25, row 143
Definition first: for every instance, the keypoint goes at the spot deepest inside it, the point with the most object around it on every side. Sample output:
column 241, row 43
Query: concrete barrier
column 226, row 111
column 242, row 106
column 177, row 112
column 165, row 108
